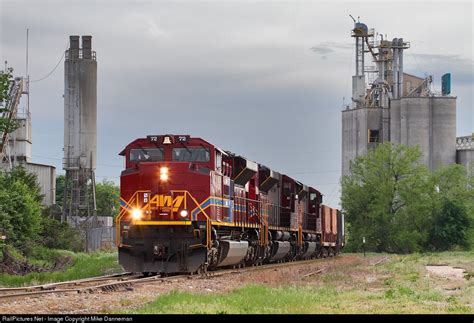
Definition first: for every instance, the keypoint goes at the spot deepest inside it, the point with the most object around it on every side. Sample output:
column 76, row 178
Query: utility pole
column 363, row 245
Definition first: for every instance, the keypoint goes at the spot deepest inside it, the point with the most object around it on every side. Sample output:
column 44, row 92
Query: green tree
column 450, row 227
column 387, row 199
column 6, row 124
column 20, row 207
column 454, row 209
column 60, row 186
column 108, row 198
column 5, row 79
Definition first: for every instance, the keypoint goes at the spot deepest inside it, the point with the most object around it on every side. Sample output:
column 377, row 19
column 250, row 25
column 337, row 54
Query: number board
column 160, row 139
column 152, row 138
column 182, row 138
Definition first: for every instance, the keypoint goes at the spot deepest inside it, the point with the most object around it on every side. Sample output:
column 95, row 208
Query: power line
column 54, row 69
column 55, row 158
column 317, row 172
column 289, row 173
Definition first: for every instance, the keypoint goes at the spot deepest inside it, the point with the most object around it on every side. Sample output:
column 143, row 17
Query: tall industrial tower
column 80, row 128
column 390, row 105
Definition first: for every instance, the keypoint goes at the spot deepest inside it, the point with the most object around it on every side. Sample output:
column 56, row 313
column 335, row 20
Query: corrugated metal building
column 20, row 147
column 46, row 175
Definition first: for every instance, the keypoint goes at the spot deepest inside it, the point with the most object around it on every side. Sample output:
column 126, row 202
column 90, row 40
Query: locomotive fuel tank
column 310, row 249
column 232, row 252
column 280, row 250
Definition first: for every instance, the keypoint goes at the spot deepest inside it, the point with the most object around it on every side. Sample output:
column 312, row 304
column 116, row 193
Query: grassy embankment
column 400, row 285
column 83, row 265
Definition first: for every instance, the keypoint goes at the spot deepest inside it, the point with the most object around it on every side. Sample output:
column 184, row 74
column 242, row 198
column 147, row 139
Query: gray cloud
column 460, row 67
column 322, row 50
column 241, row 75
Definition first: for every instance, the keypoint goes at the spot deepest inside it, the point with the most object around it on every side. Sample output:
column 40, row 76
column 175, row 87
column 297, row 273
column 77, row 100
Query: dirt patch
column 447, row 272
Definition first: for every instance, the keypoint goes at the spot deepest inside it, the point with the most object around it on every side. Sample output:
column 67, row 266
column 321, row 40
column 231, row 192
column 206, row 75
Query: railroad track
column 127, row 280
column 67, row 286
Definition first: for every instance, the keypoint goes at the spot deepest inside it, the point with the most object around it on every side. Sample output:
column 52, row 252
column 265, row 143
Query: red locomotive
column 188, row 206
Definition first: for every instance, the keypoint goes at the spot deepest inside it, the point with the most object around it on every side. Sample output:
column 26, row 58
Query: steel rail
column 50, row 286
column 113, row 286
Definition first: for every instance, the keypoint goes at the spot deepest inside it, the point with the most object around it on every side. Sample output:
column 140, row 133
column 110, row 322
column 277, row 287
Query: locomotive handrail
column 261, row 212
column 259, row 203
column 147, row 207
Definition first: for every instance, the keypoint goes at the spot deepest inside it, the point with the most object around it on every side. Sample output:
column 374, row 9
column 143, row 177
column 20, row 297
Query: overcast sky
column 264, row 79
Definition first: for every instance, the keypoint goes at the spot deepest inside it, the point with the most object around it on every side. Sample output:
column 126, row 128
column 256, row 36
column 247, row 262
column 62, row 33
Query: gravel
column 136, row 296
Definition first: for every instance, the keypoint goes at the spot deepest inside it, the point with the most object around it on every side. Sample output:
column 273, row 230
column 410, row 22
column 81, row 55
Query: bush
column 450, row 227
column 20, row 207
column 57, row 235
column 24, row 220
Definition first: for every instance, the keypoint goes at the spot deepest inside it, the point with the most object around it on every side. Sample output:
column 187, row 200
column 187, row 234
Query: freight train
column 188, row 206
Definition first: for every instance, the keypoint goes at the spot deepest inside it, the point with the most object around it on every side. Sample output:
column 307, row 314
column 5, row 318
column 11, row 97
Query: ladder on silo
column 8, row 113
column 77, row 195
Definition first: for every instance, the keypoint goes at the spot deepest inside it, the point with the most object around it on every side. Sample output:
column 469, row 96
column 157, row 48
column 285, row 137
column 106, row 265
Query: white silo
column 80, row 127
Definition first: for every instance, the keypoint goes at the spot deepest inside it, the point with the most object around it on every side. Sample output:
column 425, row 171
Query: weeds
column 85, row 265
column 397, row 287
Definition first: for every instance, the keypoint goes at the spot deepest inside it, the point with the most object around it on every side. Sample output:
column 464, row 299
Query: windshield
column 191, row 154
column 146, row 154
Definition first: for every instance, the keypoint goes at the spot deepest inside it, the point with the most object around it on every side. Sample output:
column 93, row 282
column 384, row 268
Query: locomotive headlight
column 183, row 213
column 164, row 174
column 137, row 214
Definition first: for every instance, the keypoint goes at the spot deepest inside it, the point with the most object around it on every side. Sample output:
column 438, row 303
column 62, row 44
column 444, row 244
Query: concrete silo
column 389, row 105
column 80, row 127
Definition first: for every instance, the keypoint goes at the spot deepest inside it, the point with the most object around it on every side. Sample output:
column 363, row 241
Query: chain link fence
column 102, row 238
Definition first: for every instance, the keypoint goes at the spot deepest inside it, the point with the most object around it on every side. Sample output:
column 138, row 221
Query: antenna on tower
column 27, row 77
column 352, row 18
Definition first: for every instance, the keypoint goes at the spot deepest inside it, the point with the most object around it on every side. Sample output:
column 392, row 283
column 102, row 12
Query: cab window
column 146, row 154
column 191, row 154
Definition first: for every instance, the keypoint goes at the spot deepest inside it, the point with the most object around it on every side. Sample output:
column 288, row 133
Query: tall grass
column 84, row 265
column 258, row 299
column 400, row 285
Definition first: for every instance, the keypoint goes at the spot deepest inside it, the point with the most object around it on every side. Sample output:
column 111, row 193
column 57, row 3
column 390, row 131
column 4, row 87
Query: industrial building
column 80, row 128
column 80, row 143
column 16, row 147
column 391, row 105
column 465, row 152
